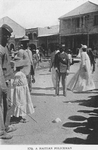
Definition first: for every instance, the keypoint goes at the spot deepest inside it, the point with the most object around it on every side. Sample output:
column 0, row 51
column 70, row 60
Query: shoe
column 10, row 129
column 14, row 120
column 6, row 137
column 56, row 94
column 23, row 120
column 64, row 94
column 33, row 80
column 2, row 133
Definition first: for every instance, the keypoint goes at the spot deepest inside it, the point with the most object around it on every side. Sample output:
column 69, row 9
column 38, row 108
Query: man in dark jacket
column 6, row 74
column 92, row 58
column 62, row 66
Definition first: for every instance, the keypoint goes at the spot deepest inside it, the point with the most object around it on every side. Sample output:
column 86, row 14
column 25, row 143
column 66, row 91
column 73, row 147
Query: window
column 35, row 35
column 30, row 36
column 95, row 20
column 82, row 21
column 77, row 22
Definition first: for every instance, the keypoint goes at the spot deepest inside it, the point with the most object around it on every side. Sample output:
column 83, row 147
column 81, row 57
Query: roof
column 48, row 31
column 85, row 8
column 18, row 30
column 44, row 35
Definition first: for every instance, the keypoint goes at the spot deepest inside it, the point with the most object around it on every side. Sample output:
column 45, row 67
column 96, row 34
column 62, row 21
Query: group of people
column 16, row 78
column 82, row 80
column 15, row 84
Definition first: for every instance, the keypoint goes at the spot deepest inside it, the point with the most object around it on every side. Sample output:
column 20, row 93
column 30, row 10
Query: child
column 22, row 100
column 70, row 56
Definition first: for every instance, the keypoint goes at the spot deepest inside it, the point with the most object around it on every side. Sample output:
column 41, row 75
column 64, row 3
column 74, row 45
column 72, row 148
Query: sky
column 37, row 13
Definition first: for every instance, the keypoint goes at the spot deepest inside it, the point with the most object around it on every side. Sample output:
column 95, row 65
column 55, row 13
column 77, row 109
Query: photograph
column 48, row 74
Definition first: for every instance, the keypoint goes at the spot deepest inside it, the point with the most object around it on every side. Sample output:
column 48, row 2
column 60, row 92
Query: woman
column 82, row 81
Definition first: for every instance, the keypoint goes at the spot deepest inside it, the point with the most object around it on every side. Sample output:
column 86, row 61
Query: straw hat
column 21, row 63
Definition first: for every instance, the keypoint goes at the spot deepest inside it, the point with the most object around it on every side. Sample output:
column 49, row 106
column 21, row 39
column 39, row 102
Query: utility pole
column 88, row 39
column 87, row 26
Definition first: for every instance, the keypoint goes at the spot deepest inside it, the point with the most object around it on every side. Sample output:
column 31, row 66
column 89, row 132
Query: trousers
column 2, row 127
column 63, row 77
column 53, row 76
column 6, row 108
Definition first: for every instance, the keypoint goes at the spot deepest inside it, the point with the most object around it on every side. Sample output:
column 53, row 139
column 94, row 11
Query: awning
column 45, row 35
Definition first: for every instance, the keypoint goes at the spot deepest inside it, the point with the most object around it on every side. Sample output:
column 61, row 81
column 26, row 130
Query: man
column 38, row 55
column 24, row 57
column 31, row 62
column 92, row 58
column 52, row 66
column 62, row 66
column 6, row 74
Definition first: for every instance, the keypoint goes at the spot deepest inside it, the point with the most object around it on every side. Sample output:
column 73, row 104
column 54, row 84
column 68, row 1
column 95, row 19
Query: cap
column 7, row 27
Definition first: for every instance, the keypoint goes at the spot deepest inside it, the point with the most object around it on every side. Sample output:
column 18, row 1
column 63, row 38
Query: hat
column 57, row 51
column 25, row 38
column 8, row 28
column 63, row 45
column 69, row 50
column 20, row 63
column 84, row 46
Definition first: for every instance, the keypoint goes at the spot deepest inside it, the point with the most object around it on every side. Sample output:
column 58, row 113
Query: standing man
column 62, row 66
column 24, row 57
column 31, row 62
column 52, row 66
column 92, row 58
column 6, row 74
column 38, row 55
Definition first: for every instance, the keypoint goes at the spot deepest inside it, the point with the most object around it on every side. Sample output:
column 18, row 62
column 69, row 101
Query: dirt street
column 77, row 114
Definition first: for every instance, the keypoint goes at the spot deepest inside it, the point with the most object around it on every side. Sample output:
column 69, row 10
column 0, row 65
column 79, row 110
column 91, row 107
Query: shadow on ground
column 45, row 88
column 42, row 94
column 85, row 126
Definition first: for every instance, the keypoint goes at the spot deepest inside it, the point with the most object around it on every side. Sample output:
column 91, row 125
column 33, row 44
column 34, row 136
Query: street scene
column 49, row 74
column 77, row 113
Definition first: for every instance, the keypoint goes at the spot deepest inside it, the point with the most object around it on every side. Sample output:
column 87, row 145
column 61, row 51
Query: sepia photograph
column 48, row 74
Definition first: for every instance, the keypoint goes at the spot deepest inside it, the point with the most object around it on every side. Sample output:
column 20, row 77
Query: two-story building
column 48, row 37
column 32, row 34
column 44, row 37
column 80, row 26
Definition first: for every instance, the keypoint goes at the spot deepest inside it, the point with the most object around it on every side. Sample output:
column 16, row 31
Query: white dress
column 82, row 80
column 21, row 96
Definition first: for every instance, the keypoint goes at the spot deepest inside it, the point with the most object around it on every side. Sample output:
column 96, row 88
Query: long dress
column 82, row 81
column 21, row 96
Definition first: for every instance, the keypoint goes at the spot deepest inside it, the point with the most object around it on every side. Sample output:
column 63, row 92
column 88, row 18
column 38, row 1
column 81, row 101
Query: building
column 32, row 33
column 80, row 26
column 48, row 37
column 18, row 31
column 45, row 38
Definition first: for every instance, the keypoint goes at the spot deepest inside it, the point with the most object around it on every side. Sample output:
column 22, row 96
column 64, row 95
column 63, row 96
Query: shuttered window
column 95, row 20
column 77, row 22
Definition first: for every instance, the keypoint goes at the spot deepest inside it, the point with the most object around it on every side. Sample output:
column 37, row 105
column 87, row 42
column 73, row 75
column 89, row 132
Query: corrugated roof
column 85, row 8
column 48, row 31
